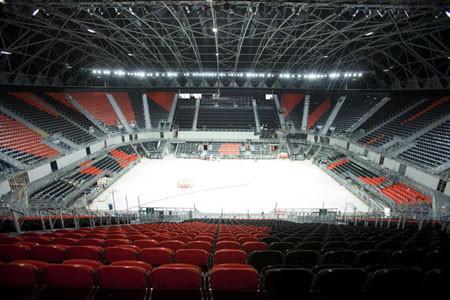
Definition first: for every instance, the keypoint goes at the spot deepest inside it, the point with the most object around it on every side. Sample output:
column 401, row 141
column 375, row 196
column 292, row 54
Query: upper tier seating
column 159, row 105
column 98, row 105
column 21, row 143
column 226, row 114
column 431, row 149
column 353, row 109
column 65, row 107
column 267, row 115
column 407, row 124
column 41, row 114
column 292, row 108
column 320, row 107
column 184, row 115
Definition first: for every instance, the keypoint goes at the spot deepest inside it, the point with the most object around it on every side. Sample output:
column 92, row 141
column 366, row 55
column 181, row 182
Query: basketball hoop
column 184, row 184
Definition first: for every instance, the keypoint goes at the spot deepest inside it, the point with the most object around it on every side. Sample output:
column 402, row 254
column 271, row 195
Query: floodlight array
column 247, row 75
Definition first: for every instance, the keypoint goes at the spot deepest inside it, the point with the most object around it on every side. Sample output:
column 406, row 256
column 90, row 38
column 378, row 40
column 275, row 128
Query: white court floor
column 236, row 186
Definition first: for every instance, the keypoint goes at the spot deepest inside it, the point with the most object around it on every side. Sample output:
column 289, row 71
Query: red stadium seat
column 183, row 238
column 118, row 253
column 85, row 262
column 38, row 239
column 10, row 240
column 49, row 253
column 248, row 247
column 173, row 244
column 18, row 275
column 28, row 244
column 198, row 257
column 245, row 239
column 228, row 245
column 157, row 256
column 224, row 256
column 65, row 241
column 92, row 242
column 9, row 252
column 115, row 242
column 177, row 277
column 37, row 263
column 200, row 245
column 122, row 277
column 146, row 266
column 116, row 236
column 136, row 237
column 234, row 277
column 146, row 243
column 68, row 275
column 85, row 252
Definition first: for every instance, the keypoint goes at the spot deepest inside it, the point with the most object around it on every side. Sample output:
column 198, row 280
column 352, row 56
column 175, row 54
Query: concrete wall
column 338, row 142
column 375, row 157
column 447, row 189
column 422, row 178
column 310, row 138
column 391, row 164
column 356, row 149
column 39, row 172
column 97, row 147
column 115, row 140
column 70, row 158
column 148, row 135
column 4, row 187
column 216, row 135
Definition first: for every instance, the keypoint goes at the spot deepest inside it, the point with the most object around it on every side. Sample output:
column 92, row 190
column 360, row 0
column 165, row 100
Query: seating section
column 188, row 150
column 44, row 116
column 428, row 111
column 399, row 193
column 267, row 115
column 319, row 110
column 364, row 261
column 124, row 103
column 430, row 150
column 226, row 114
column 159, row 105
column 98, row 105
column 65, row 189
column 185, row 113
column 353, row 109
column 66, row 108
column 292, row 108
column 21, row 143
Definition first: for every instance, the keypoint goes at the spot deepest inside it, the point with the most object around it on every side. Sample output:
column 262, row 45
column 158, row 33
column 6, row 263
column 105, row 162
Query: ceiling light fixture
column 35, row 12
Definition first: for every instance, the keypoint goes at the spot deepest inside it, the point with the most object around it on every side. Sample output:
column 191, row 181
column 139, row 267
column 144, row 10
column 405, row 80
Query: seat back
column 146, row 266
column 9, row 252
column 157, row 256
column 304, row 258
column 84, row 262
column 18, row 275
column 118, row 253
column 122, row 277
column 176, row 277
column 287, row 281
column 233, row 277
column 260, row 258
column 198, row 257
column 228, row 245
column 68, row 275
column 337, row 283
column 224, row 256
column 249, row 247
column 146, row 243
column 49, row 253
column 85, row 252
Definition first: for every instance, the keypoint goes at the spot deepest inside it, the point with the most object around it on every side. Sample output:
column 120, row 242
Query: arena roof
column 271, row 44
